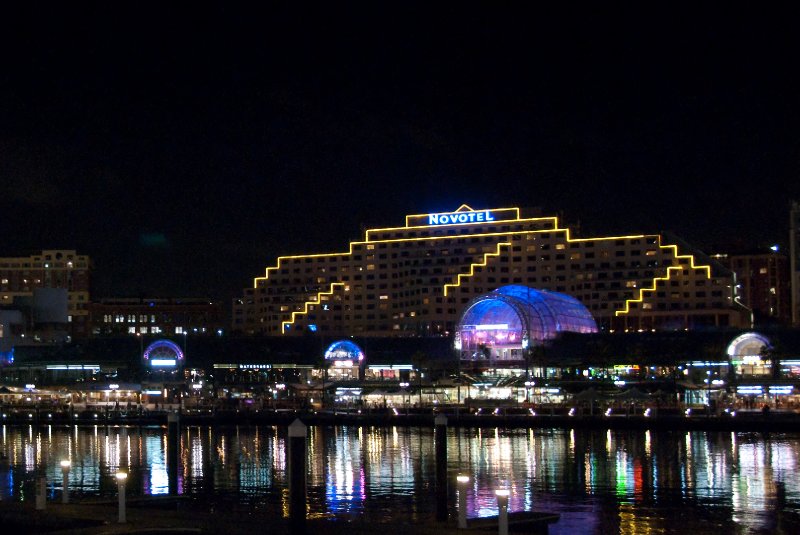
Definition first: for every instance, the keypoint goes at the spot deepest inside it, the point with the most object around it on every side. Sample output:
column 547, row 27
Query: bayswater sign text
column 460, row 217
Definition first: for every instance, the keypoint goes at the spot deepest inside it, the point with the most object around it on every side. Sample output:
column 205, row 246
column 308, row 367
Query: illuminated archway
column 748, row 345
column 164, row 354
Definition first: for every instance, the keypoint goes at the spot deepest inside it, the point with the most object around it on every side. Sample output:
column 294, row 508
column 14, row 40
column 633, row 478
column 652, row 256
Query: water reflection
column 599, row 481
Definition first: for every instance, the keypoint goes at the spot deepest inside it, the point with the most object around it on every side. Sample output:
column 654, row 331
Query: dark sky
column 184, row 146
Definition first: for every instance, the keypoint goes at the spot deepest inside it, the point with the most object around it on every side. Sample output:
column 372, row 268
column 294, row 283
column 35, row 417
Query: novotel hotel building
column 416, row 279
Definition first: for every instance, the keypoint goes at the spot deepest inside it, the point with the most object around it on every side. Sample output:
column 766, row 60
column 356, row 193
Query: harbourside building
column 37, row 284
column 417, row 278
column 154, row 317
column 763, row 280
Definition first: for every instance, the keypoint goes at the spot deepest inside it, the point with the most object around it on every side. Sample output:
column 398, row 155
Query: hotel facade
column 416, row 279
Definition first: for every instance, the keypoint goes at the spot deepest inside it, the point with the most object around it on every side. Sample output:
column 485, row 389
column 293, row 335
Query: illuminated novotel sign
column 460, row 217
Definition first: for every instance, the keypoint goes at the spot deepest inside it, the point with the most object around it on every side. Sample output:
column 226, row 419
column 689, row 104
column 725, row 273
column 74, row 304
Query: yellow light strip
column 316, row 301
column 670, row 269
column 557, row 228
column 474, row 265
column 448, row 237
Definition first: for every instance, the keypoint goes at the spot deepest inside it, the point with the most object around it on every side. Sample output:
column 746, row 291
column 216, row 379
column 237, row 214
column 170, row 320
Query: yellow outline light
column 474, row 265
column 656, row 280
column 307, row 304
column 556, row 228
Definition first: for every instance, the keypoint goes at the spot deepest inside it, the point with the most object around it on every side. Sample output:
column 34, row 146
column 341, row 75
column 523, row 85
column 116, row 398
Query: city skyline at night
column 183, row 151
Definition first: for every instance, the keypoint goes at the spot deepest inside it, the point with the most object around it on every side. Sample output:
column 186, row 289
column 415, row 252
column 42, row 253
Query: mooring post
column 297, row 478
column 41, row 492
column 173, row 439
column 440, row 436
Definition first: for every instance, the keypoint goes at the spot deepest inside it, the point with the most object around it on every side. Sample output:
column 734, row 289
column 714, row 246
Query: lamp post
column 121, row 477
column 404, row 388
column 528, row 386
column 502, row 506
column 65, row 466
column 462, row 501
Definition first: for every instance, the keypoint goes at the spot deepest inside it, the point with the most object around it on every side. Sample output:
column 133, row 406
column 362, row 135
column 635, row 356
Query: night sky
column 184, row 147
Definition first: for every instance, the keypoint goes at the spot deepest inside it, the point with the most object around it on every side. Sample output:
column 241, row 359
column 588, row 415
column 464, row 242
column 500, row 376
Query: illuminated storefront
column 345, row 360
column 414, row 280
column 747, row 354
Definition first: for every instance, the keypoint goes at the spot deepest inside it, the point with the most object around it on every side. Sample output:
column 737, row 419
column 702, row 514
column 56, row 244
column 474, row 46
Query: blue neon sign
column 454, row 218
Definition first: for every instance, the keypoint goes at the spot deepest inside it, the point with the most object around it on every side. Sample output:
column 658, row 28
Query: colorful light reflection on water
column 598, row 481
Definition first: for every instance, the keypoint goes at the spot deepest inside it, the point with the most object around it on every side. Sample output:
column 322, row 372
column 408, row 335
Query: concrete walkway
column 93, row 518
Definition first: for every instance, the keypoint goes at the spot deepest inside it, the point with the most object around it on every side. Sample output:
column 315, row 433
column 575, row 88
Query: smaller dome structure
column 748, row 345
column 344, row 350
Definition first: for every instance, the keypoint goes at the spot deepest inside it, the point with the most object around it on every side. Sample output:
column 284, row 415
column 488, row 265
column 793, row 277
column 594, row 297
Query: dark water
column 598, row 481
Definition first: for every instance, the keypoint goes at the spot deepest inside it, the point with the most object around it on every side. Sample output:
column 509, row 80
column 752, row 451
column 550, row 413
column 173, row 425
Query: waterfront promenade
column 183, row 516
column 555, row 417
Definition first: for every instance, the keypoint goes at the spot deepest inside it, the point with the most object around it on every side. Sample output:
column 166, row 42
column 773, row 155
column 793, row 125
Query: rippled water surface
column 598, row 481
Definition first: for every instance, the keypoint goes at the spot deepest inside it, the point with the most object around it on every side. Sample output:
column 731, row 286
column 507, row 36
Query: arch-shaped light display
column 163, row 354
column 344, row 350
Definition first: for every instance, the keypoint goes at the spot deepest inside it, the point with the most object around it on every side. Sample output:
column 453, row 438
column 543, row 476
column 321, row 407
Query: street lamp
column 462, row 501
column 404, row 387
column 502, row 506
column 528, row 386
column 121, row 477
column 65, row 466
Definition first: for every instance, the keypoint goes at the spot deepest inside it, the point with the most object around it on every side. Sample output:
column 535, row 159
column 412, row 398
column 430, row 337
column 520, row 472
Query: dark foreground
column 175, row 516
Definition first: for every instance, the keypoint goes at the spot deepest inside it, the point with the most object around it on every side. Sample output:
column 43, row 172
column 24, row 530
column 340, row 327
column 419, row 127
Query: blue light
column 312, row 327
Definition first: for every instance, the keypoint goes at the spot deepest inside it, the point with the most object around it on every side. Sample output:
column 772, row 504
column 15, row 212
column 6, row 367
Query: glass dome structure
column 504, row 323
column 344, row 350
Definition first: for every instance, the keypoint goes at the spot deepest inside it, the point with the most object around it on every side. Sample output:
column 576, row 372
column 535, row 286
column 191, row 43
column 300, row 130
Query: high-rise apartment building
column 763, row 281
column 415, row 279
column 20, row 277
column 794, row 260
